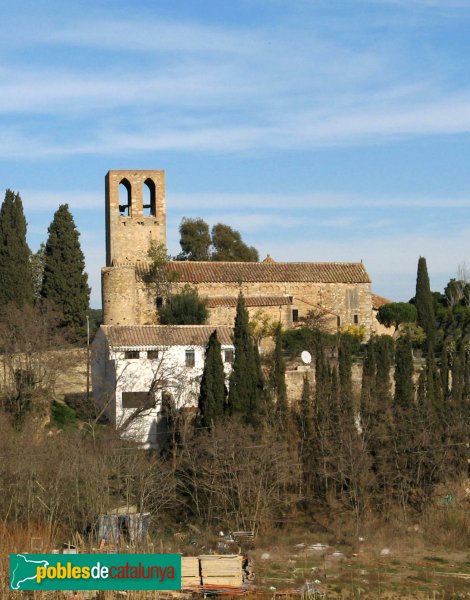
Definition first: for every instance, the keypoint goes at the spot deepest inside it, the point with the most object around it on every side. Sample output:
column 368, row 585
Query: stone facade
column 283, row 292
column 131, row 222
column 128, row 300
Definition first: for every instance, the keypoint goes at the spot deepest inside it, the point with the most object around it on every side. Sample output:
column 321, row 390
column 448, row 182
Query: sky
column 322, row 130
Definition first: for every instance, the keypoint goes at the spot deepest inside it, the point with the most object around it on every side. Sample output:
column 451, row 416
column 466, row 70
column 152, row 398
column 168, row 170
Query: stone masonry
column 283, row 291
column 130, row 224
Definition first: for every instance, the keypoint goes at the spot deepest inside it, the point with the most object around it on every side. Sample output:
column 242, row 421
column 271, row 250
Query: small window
column 131, row 354
column 152, row 354
column 356, row 319
column 159, row 301
column 190, row 358
column 295, row 315
column 136, row 400
column 338, row 321
column 228, row 355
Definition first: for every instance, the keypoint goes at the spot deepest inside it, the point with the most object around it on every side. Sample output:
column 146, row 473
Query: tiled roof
column 246, row 272
column 144, row 336
column 378, row 301
column 231, row 301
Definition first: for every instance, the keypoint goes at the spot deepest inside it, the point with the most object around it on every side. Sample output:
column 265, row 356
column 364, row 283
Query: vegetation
column 396, row 313
column 195, row 240
column 184, row 308
column 278, row 378
column 228, row 245
column 424, row 304
column 16, row 284
column 344, row 453
column 65, row 282
column 213, row 393
column 245, row 380
column 223, row 243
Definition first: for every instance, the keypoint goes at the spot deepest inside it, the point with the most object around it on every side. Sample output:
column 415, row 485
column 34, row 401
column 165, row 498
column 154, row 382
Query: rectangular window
column 152, row 354
column 356, row 319
column 338, row 321
column 159, row 301
column 190, row 358
column 228, row 355
column 131, row 354
column 295, row 315
column 136, row 400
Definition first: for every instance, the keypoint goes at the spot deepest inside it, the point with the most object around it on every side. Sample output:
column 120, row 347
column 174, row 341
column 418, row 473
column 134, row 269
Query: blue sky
column 322, row 130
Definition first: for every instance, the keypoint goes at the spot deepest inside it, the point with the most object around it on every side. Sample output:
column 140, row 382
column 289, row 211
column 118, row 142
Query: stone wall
column 127, row 300
column 130, row 228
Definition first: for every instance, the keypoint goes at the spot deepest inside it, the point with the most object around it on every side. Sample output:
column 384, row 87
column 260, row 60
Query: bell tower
column 135, row 214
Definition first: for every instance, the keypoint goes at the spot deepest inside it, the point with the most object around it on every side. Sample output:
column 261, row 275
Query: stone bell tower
column 135, row 214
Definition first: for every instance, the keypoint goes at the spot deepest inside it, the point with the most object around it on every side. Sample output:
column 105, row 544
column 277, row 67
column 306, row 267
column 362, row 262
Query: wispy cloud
column 230, row 89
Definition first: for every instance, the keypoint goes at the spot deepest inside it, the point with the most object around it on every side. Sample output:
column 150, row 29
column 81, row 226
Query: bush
column 63, row 415
column 185, row 308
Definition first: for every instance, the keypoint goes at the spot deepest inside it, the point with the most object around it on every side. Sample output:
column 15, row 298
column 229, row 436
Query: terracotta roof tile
column 149, row 336
column 250, row 301
column 378, row 301
column 238, row 272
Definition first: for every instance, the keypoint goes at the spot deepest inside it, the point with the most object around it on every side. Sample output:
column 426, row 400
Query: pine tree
column 279, row 378
column 424, row 304
column 16, row 284
column 243, row 395
column 213, row 391
column 65, row 282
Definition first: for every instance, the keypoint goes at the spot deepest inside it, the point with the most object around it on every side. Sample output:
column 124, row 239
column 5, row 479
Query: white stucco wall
column 113, row 374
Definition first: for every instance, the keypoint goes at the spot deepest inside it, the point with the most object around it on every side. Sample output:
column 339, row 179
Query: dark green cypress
column 16, row 283
column 305, row 421
column 345, row 380
column 368, row 384
column 404, row 388
column 243, row 395
column 279, row 378
column 384, row 347
column 213, row 392
column 404, row 418
column 424, row 304
column 65, row 282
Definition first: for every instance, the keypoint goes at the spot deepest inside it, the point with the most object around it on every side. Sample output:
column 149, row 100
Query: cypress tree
column 404, row 388
column 345, row 380
column 308, row 456
column 244, row 380
column 403, row 419
column 16, row 283
column 305, row 421
column 279, row 378
column 212, row 394
column 65, row 282
column 384, row 346
column 424, row 304
column 368, row 386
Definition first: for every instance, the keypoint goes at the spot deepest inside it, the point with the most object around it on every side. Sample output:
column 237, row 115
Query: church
column 139, row 366
column 285, row 291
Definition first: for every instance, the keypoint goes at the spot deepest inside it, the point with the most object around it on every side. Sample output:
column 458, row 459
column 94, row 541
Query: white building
column 138, row 370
